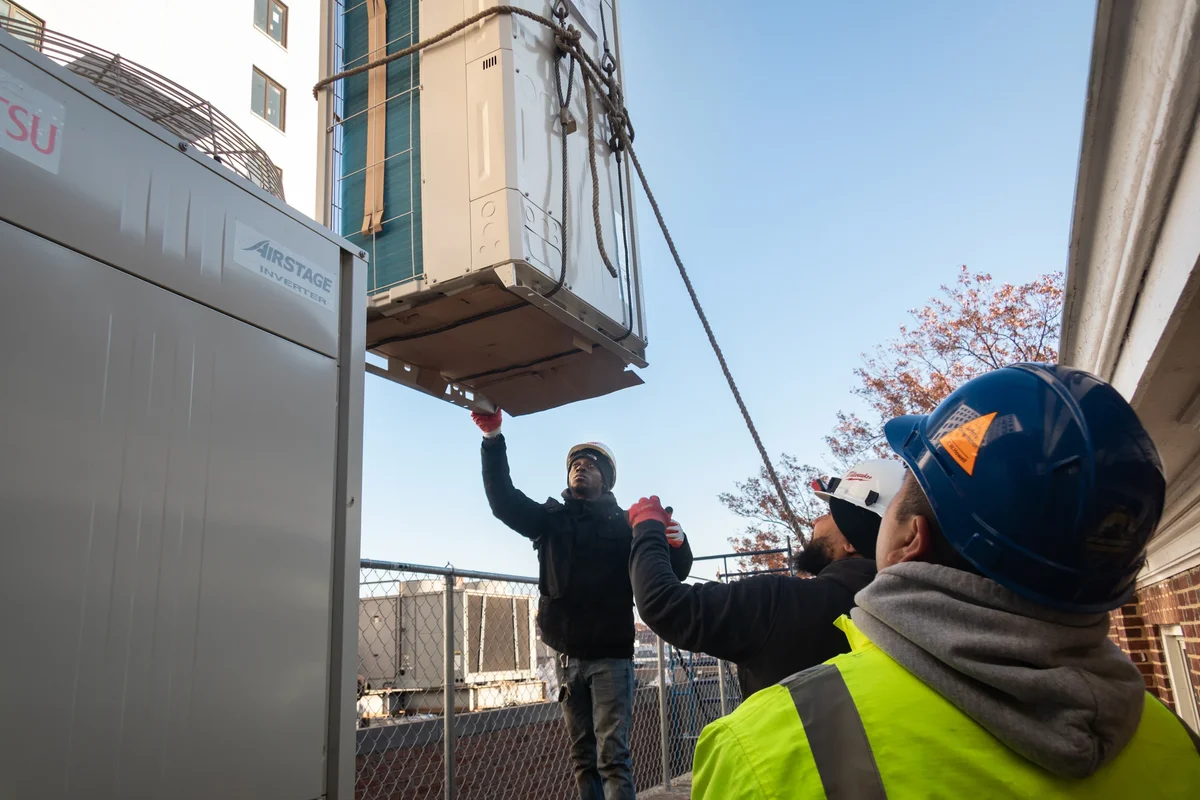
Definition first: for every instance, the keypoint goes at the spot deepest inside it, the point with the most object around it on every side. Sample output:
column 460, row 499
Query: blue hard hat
column 1044, row 479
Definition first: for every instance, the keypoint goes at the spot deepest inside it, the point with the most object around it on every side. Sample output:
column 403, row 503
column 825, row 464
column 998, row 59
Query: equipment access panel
column 179, row 456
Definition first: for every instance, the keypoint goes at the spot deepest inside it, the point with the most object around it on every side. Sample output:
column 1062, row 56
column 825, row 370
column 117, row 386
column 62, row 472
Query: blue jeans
column 596, row 696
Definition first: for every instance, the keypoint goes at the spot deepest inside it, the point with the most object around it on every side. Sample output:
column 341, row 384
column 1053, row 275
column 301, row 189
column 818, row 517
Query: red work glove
column 675, row 535
column 647, row 510
column 488, row 423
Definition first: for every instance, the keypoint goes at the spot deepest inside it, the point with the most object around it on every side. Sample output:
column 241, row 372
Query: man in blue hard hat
column 980, row 664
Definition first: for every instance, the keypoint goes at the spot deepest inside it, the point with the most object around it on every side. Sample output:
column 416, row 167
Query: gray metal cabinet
column 178, row 480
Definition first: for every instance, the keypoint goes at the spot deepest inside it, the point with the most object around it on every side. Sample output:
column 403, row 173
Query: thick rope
column 564, row 117
column 789, row 515
column 593, row 75
column 591, row 137
column 432, row 40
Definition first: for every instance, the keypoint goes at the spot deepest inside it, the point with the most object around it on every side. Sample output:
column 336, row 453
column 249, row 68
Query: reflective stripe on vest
column 835, row 734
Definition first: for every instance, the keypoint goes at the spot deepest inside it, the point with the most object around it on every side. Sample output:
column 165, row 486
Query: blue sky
column 824, row 167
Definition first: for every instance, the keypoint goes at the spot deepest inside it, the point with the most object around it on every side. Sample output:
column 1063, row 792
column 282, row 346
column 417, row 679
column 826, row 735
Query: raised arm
column 509, row 504
column 729, row 621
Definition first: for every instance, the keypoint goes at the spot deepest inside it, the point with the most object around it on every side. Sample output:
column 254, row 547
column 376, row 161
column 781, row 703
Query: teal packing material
column 395, row 252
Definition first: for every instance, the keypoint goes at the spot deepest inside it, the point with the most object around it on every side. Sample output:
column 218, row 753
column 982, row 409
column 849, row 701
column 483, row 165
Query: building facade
column 1131, row 314
column 255, row 60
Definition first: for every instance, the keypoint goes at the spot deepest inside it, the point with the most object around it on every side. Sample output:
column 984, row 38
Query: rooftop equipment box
column 180, row 463
column 401, row 636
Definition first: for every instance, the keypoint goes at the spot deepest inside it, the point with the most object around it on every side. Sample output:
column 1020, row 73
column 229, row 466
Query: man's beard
column 816, row 556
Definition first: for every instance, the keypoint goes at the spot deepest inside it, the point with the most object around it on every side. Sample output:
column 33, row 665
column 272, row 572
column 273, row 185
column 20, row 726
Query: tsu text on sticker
column 31, row 123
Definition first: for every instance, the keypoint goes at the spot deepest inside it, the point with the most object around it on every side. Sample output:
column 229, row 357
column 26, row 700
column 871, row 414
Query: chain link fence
column 457, row 693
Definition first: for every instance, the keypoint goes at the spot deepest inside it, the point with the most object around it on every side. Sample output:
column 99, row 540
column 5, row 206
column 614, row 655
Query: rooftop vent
column 188, row 116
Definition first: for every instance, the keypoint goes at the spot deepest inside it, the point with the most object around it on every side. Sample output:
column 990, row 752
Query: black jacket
column 771, row 626
column 586, row 604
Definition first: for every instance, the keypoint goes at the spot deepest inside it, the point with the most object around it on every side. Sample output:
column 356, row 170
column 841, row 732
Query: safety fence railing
column 458, row 694
column 777, row 561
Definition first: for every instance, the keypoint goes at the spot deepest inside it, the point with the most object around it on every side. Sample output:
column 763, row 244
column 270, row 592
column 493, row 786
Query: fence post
column 662, row 715
column 721, row 687
column 449, row 695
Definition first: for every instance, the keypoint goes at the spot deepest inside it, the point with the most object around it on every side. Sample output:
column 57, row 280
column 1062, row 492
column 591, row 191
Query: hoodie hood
column 1048, row 684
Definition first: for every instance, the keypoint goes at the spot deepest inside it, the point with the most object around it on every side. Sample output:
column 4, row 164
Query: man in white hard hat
column 770, row 626
column 585, row 612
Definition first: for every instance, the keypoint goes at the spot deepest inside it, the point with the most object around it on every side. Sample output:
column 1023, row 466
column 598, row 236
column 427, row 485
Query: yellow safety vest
column 861, row 727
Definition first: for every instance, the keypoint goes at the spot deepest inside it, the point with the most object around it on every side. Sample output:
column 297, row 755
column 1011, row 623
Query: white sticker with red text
column 31, row 123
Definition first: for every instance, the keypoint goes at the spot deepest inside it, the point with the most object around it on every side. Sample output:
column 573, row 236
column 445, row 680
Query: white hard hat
column 869, row 485
column 600, row 449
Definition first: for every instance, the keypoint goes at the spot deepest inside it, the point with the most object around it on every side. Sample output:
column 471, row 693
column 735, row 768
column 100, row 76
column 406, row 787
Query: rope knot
column 566, row 40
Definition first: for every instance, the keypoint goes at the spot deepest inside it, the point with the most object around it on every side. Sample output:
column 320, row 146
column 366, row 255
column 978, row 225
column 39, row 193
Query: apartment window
column 31, row 31
column 268, row 99
column 271, row 17
column 1181, row 677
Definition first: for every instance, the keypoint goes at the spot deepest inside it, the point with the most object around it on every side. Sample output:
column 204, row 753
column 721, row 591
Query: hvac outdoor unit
column 446, row 169
column 401, row 637
column 180, row 455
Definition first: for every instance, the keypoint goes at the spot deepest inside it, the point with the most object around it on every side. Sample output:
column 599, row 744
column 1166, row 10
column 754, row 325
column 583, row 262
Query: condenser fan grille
column 188, row 116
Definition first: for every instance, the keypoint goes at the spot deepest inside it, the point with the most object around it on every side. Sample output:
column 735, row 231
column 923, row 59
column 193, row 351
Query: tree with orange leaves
column 755, row 500
column 973, row 327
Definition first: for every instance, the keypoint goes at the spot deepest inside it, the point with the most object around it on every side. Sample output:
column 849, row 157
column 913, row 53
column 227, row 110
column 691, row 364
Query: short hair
column 913, row 502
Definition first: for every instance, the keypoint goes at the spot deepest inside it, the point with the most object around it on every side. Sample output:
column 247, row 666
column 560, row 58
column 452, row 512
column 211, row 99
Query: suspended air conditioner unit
column 446, row 169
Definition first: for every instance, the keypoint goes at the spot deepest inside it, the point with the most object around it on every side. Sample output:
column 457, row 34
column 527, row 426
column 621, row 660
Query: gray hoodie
column 1048, row 684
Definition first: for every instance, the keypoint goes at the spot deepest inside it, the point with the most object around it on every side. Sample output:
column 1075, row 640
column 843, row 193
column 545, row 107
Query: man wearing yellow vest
column 980, row 665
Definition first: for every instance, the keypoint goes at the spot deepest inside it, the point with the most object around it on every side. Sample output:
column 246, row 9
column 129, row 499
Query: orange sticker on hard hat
column 963, row 442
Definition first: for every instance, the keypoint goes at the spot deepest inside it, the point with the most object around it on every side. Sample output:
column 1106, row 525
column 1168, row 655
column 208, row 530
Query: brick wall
column 1137, row 628
column 519, row 752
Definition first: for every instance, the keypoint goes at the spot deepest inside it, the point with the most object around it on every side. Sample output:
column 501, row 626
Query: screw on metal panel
column 362, row 253
column 183, row 147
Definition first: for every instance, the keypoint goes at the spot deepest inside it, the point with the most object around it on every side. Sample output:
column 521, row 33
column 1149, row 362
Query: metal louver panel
column 499, row 651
